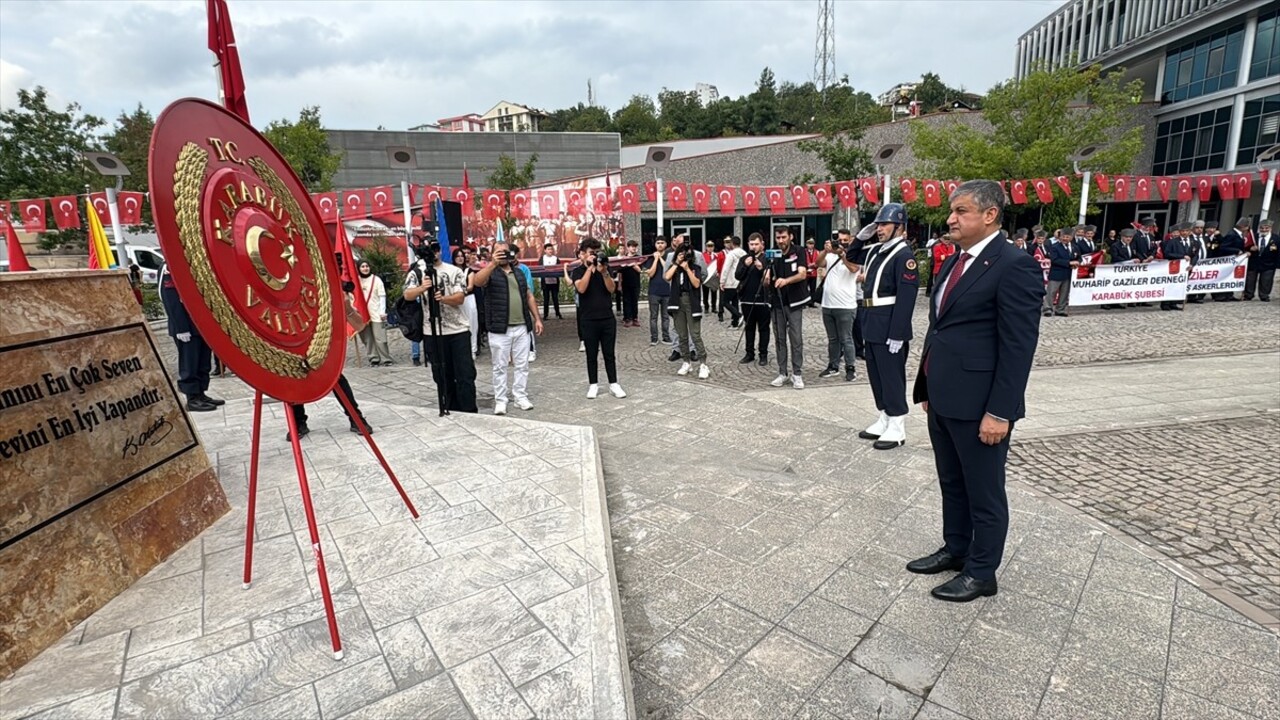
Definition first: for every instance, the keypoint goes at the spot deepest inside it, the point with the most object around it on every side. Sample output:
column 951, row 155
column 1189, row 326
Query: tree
column 637, row 121
column 681, row 113
column 509, row 176
column 1036, row 125
column 763, row 116
column 306, row 147
column 932, row 93
column 841, row 120
column 40, row 154
column 130, row 141
column 581, row 118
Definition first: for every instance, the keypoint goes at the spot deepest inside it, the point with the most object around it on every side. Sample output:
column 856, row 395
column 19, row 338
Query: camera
column 428, row 252
column 772, row 254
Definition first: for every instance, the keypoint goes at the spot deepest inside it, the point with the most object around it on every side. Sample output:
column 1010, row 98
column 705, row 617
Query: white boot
column 876, row 429
column 894, row 435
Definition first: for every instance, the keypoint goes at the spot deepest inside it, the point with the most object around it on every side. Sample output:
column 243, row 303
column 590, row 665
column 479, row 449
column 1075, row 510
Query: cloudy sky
column 399, row 64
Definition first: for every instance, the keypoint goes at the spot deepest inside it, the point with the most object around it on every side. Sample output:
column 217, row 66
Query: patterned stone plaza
column 757, row 549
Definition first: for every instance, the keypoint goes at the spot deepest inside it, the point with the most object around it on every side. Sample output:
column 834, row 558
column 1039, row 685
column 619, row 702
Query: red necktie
column 953, row 279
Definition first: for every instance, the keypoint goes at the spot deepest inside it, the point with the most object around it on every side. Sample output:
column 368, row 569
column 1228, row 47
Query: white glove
column 183, row 337
column 867, row 232
column 894, row 346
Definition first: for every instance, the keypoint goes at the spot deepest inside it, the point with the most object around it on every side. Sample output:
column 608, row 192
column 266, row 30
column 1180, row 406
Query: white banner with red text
column 1224, row 274
column 1156, row 281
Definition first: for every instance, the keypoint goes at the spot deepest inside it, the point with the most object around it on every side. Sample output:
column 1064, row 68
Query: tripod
column 444, row 388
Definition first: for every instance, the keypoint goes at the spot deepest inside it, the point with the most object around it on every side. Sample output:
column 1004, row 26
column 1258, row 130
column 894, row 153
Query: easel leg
column 253, row 489
column 315, row 533
column 364, row 430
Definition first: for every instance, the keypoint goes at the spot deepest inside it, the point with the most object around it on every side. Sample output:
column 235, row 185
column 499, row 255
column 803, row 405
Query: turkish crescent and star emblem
column 247, row 250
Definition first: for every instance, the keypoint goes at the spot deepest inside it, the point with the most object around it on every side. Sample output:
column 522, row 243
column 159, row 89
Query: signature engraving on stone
column 151, row 437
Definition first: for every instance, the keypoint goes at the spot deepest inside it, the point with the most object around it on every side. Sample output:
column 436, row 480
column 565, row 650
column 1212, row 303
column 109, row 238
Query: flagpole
column 887, row 196
column 661, row 228
column 122, row 247
column 1084, row 196
column 217, row 61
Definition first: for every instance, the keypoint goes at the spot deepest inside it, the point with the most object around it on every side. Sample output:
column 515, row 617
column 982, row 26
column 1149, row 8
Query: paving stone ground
column 759, row 547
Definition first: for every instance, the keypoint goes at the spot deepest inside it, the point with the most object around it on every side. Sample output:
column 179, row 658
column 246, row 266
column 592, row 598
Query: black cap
column 1128, row 232
column 1148, row 221
column 1242, row 222
column 1211, row 225
column 1091, row 228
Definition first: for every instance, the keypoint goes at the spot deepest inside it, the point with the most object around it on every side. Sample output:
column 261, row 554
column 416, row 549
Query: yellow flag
column 99, row 248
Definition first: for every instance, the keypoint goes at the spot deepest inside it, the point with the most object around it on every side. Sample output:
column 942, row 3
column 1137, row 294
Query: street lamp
column 404, row 157
column 109, row 165
column 1082, row 155
column 656, row 158
column 1269, row 187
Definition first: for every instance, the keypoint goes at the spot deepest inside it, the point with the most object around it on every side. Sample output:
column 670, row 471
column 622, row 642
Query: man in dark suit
column 1200, row 250
column 194, row 355
column 1261, row 272
column 1230, row 245
column 1147, row 240
column 1062, row 265
column 983, row 329
column 1122, row 252
column 1177, row 247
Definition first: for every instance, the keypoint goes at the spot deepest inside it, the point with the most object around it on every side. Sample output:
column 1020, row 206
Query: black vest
column 495, row 305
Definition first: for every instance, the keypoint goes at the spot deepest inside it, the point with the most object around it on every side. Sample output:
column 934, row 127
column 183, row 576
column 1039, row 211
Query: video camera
column 771, row 254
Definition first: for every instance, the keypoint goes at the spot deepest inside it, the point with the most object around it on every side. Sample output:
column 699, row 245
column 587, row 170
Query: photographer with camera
column 753, row 297
column 595, row 285
column 510, row 317
column 446, row 327
column 685, row 275
column 787, row 276
column 678, row 243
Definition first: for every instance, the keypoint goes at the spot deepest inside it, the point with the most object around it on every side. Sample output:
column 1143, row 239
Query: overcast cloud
column 399, row 64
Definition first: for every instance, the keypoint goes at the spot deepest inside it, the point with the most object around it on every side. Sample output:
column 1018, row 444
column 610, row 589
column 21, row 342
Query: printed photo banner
column 1156, row 281
column 1224, row 274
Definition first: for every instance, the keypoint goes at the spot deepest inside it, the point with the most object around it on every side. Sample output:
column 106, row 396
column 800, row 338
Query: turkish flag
column 1142, row 189
column 1185, row 189
column 1238, row 273
column 384, row 203
column 1063, row 183
column 1043, row 191
column 932, row 193
column 651, row 191
column 353, row 204
column 222, row 41
column 1244, row 185
column 600, row 201
column 575, row 200
column 1175, row 266
column 725, row 196
column 1264, row 175
column 465, row 197
column 950, row 186
column 677, row 196
column 751, row 199
column 870, row 190
column 799, row 197
column 32, row 212
column 129, row 203
column 777, row 198
column 494, row 200
column 629, row 198
column 520, row 204
column 1103, row 182
column 1226, row 187
column 99, row 202
column 1163, row 186
column 1122, row 187
column 1204, row 184
column 907, row 186
column 822, row 193
column 1018, row 191
column 848, row 193
column 327, row 205
column 66, row 214
column 432, row 194
column 548, row 204
column 701, row 197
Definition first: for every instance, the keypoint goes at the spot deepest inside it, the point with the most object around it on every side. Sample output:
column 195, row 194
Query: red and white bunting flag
column 1226, row 187
column 431, row 194
column 629, row 198
column 1264, row 175
column 949, row 186
column 99, row 202
column 701, row 197
column 602, row 200
column 1064, row 183
column 932, row 193
column 353, row 204
column 799, row 197
column 384, row 203
column 907, row 187
column 751, row 199
column 1018, row 191
column 1122, row 185
column 1142, row 189
column 822, row 194
column 725, row 196
column 464, row 196
column 66, row 214
column 1204, row 184
column 651, row 191
column 677, row 196
column 494, row 204
column 548, row 204
column 520, row 204
column 1103, row 182
column 32, row 212
column 327, row 205
column 415, row 194
column 129, row 203
column 870, row 189
column 1164, row 185
column 575, row 200
column 1244, row 185
column 777, row 198
column 1043, row 191
column 847, row 191
column 1185, row 189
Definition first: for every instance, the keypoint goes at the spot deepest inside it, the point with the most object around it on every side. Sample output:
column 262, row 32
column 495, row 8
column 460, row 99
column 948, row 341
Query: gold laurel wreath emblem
column 188, row 179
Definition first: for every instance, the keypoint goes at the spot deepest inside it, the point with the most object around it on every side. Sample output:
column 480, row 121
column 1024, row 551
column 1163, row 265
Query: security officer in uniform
column 194, row 355
column 890, row 283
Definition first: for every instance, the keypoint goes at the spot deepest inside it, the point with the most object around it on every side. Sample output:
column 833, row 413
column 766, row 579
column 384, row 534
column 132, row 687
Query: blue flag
column 442, row 229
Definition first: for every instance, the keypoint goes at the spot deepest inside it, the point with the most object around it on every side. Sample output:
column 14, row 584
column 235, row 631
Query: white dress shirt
column 973, row 253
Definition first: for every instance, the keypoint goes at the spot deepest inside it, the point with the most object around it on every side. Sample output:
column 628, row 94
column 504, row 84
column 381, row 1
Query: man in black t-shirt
column 595, row 286
column 786, row 277
column 629, row 278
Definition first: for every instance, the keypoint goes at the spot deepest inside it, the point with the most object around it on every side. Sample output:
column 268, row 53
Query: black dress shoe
column 693, row 355
column 195, row 403
column 764, row 360
column 747, row 359
column 675, row 355
column 940, row 561
column 212, row 401
column 963, row 588
column 417, row 362
column 302, row 432
column 356, row 428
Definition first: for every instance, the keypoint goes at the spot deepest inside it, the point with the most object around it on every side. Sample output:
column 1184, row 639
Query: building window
column 1266, row 47
column 1204, row 66
column 1260, row 128
column 1192, row 144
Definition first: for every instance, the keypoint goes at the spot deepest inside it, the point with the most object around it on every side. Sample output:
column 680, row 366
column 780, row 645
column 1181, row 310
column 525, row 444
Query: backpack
column 409, row 313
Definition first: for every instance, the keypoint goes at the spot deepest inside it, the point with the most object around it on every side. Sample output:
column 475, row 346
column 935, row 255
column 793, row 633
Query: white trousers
column 513, row 345
column 473, row 318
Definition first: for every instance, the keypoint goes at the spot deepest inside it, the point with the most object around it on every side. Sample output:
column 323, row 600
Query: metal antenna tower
column 591, row 95
column 824, row 50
